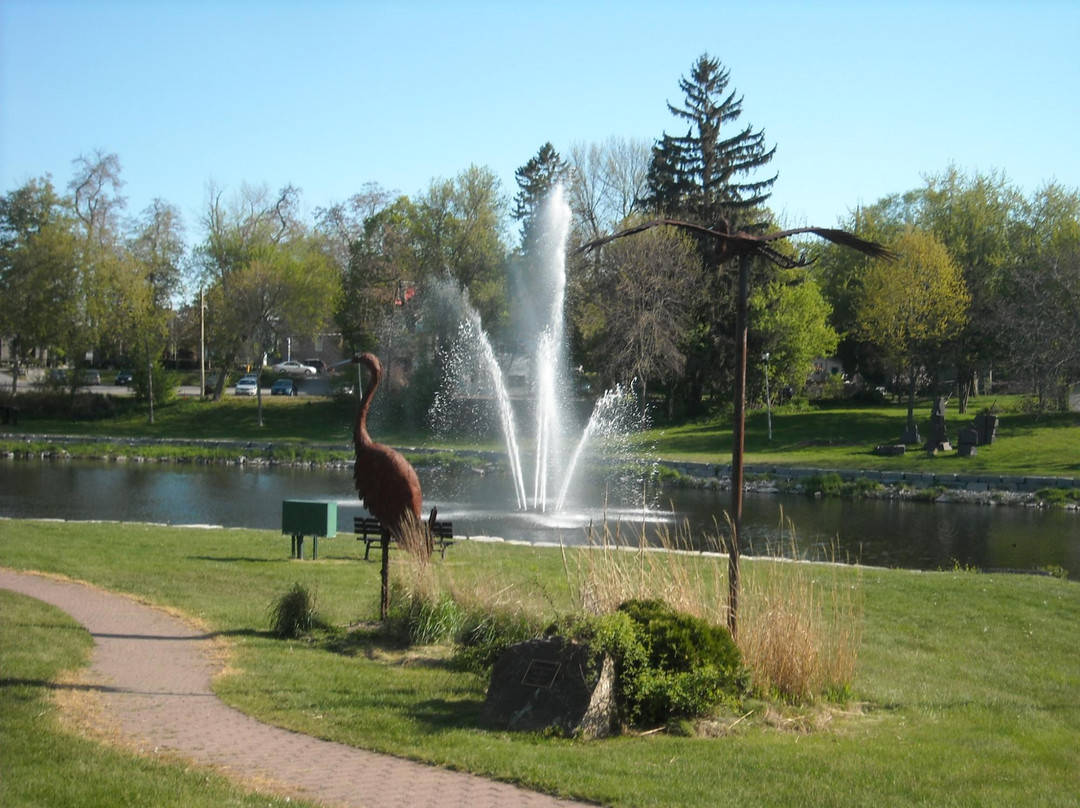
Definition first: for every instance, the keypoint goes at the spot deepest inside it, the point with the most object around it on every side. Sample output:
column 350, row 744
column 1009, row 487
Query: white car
column 248, row 385
column 294, row 368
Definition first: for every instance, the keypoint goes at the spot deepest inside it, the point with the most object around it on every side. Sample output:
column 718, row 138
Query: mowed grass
column 818, row 436
column 45, row 763
column 967, row 690
column 844, row 437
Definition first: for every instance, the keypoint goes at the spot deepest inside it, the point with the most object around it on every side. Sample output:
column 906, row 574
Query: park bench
column 369, row 531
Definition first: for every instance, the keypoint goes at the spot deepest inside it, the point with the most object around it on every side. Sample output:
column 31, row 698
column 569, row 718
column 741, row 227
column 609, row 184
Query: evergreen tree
column 535, row 179
column 703, row 176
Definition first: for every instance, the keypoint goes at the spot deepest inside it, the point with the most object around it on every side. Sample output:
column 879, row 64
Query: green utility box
column 305, row 517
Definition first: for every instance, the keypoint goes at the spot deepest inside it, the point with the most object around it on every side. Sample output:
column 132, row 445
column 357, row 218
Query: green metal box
column 305, row 517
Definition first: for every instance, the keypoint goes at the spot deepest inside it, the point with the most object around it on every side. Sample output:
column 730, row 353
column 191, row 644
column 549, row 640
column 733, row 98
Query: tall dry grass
column 799, row 624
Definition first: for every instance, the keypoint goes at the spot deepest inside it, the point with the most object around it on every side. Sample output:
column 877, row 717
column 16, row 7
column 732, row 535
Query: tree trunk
column 149, row 379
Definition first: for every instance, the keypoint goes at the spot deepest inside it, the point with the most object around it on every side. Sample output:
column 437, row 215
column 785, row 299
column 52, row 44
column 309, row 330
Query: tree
column 1042, row 294
column 456, row 229
column 609, row 184
column 705, row 177
column 95, row 194
column 697, row 176
column 103, row 277
column 535, row 180
column 157, row 251
column 642, row 308
column 38, row 270
column 910, row 308
column 975, row 217
column 267, row 276
column 791, row 324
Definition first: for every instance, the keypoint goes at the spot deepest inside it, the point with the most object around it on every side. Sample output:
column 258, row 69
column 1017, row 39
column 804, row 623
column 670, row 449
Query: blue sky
column 861, row 98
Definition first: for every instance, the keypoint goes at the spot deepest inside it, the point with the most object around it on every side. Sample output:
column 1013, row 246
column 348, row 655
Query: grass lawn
column 967, row 691
column 825, row 436
column 45, row 763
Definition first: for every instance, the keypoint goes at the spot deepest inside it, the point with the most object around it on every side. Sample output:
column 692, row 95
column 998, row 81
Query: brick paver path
column 155, row 674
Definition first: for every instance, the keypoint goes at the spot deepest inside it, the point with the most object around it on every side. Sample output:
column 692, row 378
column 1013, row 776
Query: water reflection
column 877, row 532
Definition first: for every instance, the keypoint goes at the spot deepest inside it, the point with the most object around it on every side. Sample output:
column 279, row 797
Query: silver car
column 248, row 385
column 294, row 368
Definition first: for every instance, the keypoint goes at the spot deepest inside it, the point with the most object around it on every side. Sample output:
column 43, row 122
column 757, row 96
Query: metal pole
column 768, row 398
column 739, row 433
column 202, row 344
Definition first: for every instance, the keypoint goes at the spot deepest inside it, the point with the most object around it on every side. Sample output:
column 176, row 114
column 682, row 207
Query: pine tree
column 535, row 179
column 699, row 176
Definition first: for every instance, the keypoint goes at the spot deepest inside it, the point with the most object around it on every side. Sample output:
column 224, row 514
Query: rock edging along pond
column 990, row 489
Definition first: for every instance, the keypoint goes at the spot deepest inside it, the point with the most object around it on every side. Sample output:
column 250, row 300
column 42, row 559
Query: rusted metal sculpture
column 744, row 246
column 386, row 482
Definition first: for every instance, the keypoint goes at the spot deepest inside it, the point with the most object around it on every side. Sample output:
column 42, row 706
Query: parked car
column 89, row 377
column 294, row 368
column 123, row 377
column 283, row 387
column 318, row 364
column 248, row 385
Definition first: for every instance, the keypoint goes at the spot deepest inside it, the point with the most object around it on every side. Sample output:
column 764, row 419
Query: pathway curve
column 155, row 674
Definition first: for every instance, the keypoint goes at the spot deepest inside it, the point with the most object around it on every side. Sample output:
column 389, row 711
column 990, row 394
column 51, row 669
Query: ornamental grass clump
column 800, row 627
column 294, row 614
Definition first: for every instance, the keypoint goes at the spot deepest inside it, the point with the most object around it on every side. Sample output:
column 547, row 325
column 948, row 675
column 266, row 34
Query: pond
column 889, row 533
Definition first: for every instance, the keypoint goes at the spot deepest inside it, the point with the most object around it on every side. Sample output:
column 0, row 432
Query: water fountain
column 474, row 369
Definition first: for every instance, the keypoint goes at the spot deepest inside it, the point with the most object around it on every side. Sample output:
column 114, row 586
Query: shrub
column 294, row 613
column 667, row 664
column 830, row 484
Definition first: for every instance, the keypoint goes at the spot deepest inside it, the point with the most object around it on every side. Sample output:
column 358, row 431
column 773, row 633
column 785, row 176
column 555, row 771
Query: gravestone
column 938, row 440
column 986, row 424
column 967, row 442
column 551, row 684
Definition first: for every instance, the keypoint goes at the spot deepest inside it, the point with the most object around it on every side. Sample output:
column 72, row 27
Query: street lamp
column 768, row 399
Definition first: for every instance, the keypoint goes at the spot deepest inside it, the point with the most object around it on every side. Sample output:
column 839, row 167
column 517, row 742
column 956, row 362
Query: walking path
column 155, row 672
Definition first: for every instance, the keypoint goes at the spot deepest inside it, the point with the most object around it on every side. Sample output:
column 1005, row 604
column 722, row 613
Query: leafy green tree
column 791, row 324
column 976, row 218
column 909, row 308
column 1042, row 290
column 267, row 276
column 456, row 228
column 38, row 270
column 157, row 252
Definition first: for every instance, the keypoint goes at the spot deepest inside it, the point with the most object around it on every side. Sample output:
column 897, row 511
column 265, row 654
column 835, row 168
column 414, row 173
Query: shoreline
column 983, row 489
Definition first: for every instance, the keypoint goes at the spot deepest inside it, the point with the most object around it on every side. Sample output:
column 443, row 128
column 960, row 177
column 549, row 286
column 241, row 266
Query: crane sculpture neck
column 360, row 433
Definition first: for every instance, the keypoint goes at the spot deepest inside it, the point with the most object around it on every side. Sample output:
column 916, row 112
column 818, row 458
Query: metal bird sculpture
column 744, row 246
column 385, row 481
column 741, row 243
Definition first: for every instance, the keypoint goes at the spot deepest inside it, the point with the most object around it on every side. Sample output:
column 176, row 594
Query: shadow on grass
column 442, row 714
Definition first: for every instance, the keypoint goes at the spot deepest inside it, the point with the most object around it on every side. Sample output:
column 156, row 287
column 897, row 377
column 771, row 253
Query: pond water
column 887, row 533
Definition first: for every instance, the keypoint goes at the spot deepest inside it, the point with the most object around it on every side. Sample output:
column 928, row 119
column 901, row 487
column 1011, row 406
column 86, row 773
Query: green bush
column 165, row 383
column 829, row 484
column 1058, row 497
column 668, row 665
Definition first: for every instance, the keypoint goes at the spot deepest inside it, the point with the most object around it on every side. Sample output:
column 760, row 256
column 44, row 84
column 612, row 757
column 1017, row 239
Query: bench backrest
column 368, row 524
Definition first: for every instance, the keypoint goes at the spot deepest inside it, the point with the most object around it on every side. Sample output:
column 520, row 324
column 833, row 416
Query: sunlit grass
column 965, row 689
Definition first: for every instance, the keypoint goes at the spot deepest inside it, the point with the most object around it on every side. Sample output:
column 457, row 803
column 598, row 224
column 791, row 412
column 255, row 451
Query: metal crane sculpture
column 744, row 246
column 386, row 482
